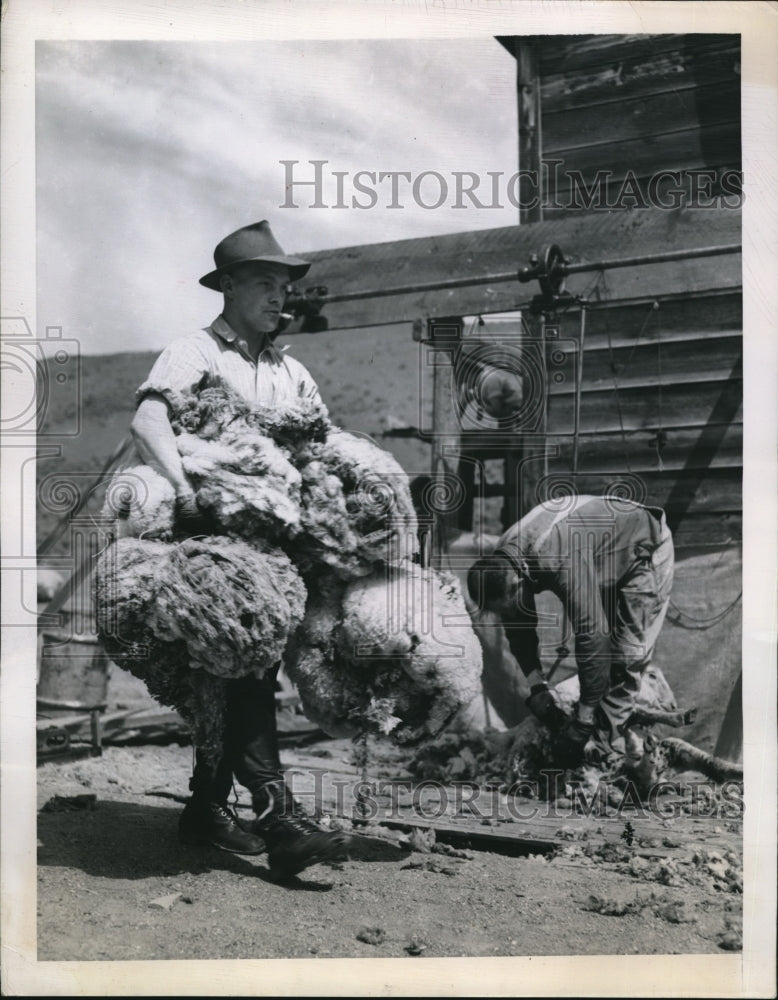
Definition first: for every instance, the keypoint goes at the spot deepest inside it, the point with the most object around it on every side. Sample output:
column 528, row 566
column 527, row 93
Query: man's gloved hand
column 567, row 748
column 190, row 519
column 543, row 706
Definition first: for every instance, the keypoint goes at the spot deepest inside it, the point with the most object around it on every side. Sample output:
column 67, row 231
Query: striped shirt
column 610, row 533
column 271, row 380
column 582, row 549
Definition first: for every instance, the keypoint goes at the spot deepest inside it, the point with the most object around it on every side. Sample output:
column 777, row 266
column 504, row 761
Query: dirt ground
column 114, row 883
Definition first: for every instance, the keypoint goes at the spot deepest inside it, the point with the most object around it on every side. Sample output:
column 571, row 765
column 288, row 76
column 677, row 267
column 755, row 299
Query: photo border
column 753, row 973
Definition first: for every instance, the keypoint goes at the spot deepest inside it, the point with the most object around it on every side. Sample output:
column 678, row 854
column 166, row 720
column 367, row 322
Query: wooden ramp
column 481, row 819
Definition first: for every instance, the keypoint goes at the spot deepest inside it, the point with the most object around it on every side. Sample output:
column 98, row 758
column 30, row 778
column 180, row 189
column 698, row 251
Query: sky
column 148, row 153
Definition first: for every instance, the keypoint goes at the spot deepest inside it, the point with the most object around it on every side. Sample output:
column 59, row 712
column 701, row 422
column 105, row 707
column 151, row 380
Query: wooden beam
column 475, row 256
column 445, row 336
column 683, row 493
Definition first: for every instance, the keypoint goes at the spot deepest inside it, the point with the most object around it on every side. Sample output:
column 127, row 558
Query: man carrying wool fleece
column 252, row 272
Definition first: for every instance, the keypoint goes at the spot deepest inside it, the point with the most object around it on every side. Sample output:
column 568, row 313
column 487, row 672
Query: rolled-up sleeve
column 311, row 390
column 304, row 381
column 176, row 372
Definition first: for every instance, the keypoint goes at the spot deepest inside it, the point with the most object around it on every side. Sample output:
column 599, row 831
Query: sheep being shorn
column 650, row 761
column 522, row 756
column 655, row 702
column 647, row 760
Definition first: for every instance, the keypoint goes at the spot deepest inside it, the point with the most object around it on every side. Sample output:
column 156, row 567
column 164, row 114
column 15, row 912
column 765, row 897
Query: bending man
column 610, row 562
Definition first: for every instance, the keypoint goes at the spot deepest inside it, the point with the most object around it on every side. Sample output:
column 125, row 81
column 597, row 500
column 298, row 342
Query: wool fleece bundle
column 392, row 653
column 334, row 501
column 297, row 506
column 185, row 616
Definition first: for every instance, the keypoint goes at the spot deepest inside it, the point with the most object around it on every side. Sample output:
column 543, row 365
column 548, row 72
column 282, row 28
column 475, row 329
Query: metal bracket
column 549, row 268
column 306, row 306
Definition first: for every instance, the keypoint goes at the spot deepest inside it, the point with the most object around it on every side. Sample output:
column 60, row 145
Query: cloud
column 149, row 152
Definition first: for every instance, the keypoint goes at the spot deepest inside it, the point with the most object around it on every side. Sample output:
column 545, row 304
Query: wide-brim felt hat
column 251, row 243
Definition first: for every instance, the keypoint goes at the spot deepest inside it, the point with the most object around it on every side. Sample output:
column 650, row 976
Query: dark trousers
column 250, row 743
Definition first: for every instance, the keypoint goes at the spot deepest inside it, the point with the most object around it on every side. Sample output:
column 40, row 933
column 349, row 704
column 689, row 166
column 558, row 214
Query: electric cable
column 698, row 624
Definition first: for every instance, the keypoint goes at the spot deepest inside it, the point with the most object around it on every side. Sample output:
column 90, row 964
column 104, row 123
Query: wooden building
column 654, row 371
column 631, row 192
column 626, row 104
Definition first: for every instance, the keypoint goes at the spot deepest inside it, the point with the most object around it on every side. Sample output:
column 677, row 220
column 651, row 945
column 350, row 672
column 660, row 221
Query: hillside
column 369, row 379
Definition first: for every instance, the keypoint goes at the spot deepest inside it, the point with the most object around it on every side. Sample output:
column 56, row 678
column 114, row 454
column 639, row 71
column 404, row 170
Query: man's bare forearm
column 156, row 442
column 523, row 643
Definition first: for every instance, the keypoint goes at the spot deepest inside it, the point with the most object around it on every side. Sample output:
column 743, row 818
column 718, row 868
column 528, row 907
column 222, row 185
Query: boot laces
column 292, row 818
column 300, row 824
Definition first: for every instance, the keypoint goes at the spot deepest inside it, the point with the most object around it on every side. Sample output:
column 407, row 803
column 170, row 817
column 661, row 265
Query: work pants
column 639, row 611
column 250, row 744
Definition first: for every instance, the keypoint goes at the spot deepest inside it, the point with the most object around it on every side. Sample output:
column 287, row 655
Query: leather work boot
column 294, row 841
column 215, row 824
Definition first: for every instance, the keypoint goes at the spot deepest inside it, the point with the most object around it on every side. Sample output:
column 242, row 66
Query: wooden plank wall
column 662, row 367
column 662, row 387
column 661, row 411
column 639, row 103
column 661, row 399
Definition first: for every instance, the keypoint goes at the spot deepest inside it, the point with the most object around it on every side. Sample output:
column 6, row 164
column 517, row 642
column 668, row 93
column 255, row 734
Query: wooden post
column 444, row 336
column 530, row 151
column 526, row 461
column 466, row 473
column 514, row 486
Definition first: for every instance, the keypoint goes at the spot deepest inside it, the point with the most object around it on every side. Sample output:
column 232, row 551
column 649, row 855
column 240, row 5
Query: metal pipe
column 529, row 273
column 428, row 286
column 544, row 361
column 578, row 386
column 654, row 258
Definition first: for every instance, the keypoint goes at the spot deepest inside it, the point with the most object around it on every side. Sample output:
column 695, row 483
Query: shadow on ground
column 137, row 841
